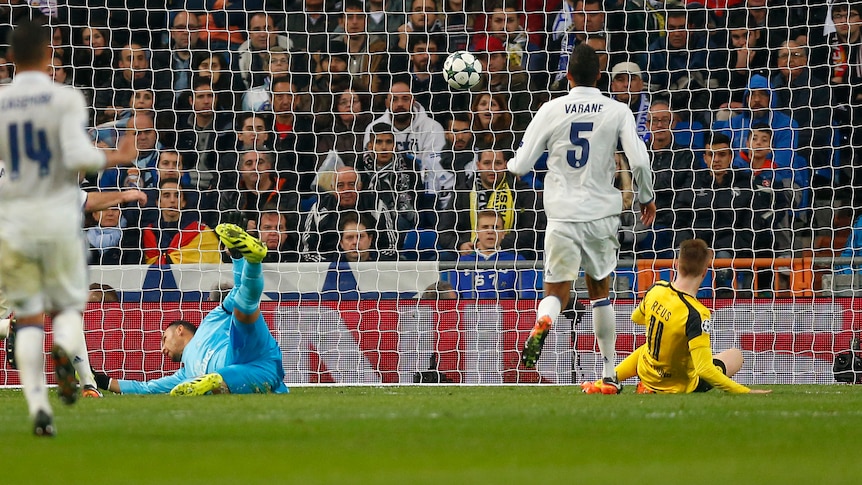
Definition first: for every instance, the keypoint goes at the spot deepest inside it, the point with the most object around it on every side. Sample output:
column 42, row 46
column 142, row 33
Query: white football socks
column 550, row 306
column 69, row 334
column 30, row 357
column 605, row 329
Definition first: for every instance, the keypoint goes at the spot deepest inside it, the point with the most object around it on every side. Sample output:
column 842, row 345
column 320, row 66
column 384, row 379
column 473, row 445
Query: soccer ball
column 462, row 70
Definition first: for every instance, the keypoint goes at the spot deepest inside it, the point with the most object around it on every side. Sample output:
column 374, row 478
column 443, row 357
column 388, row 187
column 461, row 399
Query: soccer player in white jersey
column 581, row 131
column 42, row 261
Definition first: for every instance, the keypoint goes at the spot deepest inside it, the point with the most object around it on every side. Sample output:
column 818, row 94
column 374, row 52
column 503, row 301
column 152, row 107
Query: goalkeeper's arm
column 105, row 383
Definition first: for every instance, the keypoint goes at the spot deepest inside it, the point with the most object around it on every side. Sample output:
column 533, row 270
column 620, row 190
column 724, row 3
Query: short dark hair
column 182, row 323
column 202, row 81
column 378, row 129
column 353, row 5
column 169, row 180
column 28, row 42
column 584, row 65
column 284, row 79
column 761, row 127
column 717, row 138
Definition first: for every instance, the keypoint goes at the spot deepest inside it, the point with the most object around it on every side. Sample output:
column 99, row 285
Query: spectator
column 577, row 21
column 331, row 74
column 722, row 208
column 504, row 22
column 498, row 77
column 457, row 25
column 758, row 97
column 846, row 82
column 259, row 187
column 262, row 37
column 175, row 63
column 441, row 290
column 227, row 86
column 492, row 283
column 100, row 293
column 133, row 72
column 493, row 188
column 679, row 62
column 176, row 236
column 197, row 137
column 419, row 137
column 392, row 177
column 271, row 228
column 771, row 200
column 643, row 22
column 744, row 55
column 168, row 166
column 57, row 70
column 342, row 131
column 92, row 57
column 250, row 133
column 423, row 21
column 600, row 45
column 627, row 86
column 426, row 76
column 807, row 100
column 673, row 173
column 357, row 240
column 492, row 122
column 459, row 154
column 385, row 17
column 310, row 26
column 142, row 172
column 276, row 64
column 105, row 239
column 368, row 54
column 294, row 138
column 346, row 195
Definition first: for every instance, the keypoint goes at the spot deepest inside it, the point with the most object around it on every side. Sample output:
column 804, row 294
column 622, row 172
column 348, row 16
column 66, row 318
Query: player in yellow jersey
column 676, row 357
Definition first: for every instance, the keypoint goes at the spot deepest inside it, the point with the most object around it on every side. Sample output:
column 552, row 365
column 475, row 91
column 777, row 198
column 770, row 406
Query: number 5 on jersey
column 40, row 154
column 575, row 159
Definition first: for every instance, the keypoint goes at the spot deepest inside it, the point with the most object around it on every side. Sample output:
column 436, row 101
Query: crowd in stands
column 327, row 126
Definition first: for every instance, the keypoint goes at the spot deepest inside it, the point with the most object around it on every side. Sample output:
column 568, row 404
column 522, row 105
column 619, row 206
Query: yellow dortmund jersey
column 677, row 350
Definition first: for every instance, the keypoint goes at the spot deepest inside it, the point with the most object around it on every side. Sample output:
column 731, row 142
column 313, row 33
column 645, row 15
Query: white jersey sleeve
column 638, row 158
column 79, row 153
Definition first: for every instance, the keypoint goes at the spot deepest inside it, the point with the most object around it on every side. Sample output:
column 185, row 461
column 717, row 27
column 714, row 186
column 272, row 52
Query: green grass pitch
column 443, row 435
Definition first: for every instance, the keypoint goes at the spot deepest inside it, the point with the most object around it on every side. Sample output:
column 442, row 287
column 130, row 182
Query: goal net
column 398, row 243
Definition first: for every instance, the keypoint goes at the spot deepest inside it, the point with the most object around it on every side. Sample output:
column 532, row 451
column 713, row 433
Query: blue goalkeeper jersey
column 217, row 343
column 493, row 283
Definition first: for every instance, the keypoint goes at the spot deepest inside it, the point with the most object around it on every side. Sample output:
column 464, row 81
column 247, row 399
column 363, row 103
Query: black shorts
column 703, row 386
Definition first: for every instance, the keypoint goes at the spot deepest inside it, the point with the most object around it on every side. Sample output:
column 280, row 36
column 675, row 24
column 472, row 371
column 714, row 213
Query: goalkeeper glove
column 102, row 380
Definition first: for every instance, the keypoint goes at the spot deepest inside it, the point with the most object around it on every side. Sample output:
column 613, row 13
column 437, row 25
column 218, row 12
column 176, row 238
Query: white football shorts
column 44, row 276
column 570, row 246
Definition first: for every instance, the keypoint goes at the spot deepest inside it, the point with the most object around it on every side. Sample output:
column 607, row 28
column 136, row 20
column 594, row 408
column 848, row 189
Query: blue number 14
column 575, row 159
column 35, row 147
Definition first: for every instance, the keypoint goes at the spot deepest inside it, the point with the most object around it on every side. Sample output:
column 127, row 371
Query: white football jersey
column 44, row 145
column 581, row 132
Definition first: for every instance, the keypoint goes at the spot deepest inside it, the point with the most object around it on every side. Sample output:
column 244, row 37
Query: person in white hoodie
column 418, row 136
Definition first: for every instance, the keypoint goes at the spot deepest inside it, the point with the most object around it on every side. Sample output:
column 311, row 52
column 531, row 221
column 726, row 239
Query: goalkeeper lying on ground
column 676, row 357
column 232, row 351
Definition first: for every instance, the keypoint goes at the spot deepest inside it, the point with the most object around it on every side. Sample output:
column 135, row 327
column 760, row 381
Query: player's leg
column 66, row 295
column 732, row 361
column 246, row 295
column 600, row 259
column 25, row 297
column 257, row 377
column 562, row 264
